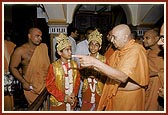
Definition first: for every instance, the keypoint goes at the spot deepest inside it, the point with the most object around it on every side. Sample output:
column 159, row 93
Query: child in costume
column 93, row 81
column 63, row 78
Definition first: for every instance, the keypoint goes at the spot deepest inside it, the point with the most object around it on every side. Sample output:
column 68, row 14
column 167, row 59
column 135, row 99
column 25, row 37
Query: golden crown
column 62, row 41
column 95, row 35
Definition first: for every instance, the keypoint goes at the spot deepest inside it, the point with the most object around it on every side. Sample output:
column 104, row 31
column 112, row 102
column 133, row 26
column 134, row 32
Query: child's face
column 94, row 47
column 66, row 53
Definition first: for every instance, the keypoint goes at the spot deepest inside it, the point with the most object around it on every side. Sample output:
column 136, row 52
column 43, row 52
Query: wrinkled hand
column 85, row 61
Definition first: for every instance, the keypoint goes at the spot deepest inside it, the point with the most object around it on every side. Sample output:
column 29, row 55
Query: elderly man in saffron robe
column 127, row 73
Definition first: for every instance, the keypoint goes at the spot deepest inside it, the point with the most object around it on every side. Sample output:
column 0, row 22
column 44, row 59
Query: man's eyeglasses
column 161, row 38
column 112, row 38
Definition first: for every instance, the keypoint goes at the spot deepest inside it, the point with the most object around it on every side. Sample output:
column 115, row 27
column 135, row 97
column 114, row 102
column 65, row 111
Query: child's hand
column 71, row 99
column 74, row 100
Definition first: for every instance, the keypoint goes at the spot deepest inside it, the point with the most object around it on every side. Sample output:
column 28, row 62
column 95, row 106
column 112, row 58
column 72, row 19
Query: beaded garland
column 68, row 82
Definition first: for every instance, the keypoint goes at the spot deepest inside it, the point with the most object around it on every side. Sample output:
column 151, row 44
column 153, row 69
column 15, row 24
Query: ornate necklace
column 92, row 88
column 68, row 82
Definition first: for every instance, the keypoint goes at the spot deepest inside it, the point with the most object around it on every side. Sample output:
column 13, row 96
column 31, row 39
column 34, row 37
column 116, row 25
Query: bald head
column 121, row 35
column 152, row 32
column 123, row 29
column 151, row 38
column 35, row 36
column 32, row 30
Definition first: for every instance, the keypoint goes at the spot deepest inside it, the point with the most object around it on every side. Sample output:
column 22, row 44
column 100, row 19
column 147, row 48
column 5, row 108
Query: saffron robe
column 156, row 65
column 8, row 49
column 131, row 60
column 109, row 52
column 55, row 84
column 36, row 72
column 86, row 92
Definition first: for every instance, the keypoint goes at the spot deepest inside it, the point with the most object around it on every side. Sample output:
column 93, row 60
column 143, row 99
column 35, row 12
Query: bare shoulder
column 18, row 56
column 20, row 50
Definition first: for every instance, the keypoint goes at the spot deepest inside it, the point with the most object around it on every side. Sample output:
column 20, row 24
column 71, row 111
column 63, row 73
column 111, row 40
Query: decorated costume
column 62, row 79
column 93, row 81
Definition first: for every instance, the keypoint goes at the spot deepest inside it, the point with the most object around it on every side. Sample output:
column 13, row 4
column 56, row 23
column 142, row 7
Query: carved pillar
column 59, row 16
column 54, row 30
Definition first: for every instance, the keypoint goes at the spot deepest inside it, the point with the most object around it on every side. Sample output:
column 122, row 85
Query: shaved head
column 35, row 36
column 121, row 35
column 31, row 30
column 152, row 32
column 122, row 28
column 151, row 38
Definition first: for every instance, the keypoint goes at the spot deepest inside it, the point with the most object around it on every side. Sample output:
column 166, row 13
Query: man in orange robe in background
column 34, row 59
column 161, row 91
column 8, row 50
column 156, row 67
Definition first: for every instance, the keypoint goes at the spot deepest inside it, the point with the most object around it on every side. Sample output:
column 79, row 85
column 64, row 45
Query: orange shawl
column 109, row 52
column 8, row 50
column 132, row 61
column 37, row 71
column 156, row 65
